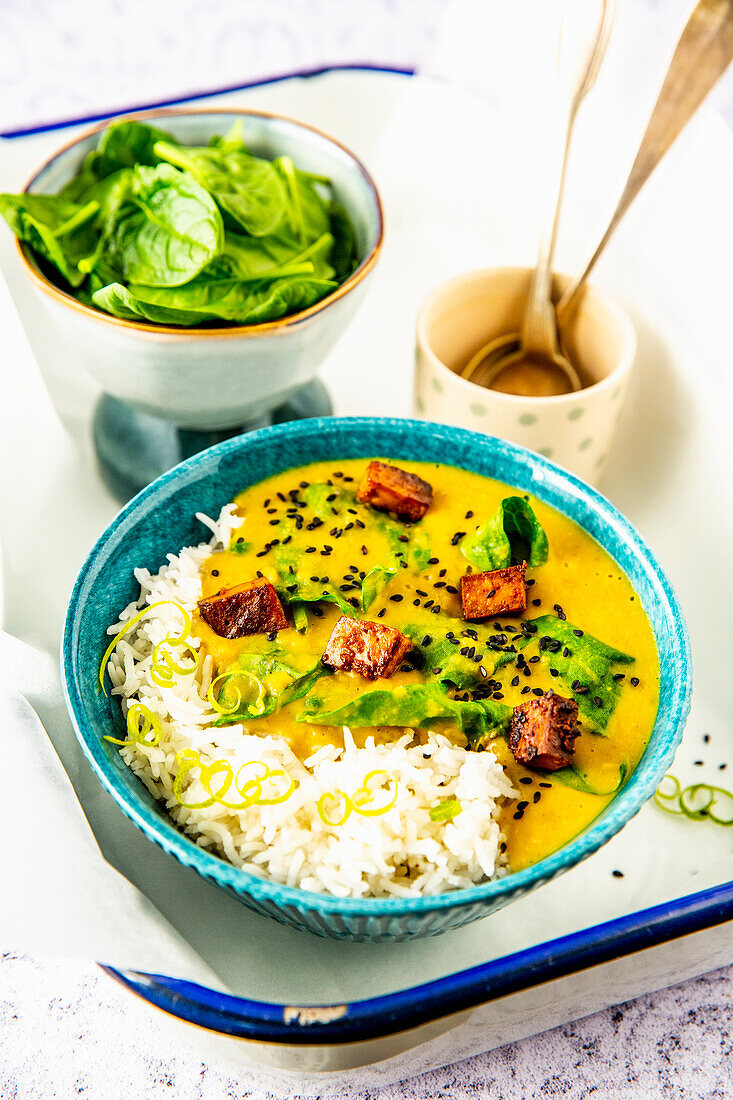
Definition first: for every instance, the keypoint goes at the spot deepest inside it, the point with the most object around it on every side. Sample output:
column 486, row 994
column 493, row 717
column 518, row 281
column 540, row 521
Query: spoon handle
column 539, row 317
column 703, row 53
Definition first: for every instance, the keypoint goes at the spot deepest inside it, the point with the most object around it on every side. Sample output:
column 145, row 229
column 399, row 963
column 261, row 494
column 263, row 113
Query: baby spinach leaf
column 172, row 230
column 590, row 664
column 61, row 231
column 283, row 676
column 248, row 190
column 294, row 589
column 413, row 706
column 344, row 254
column 307, row 213
column 251, row 258
column 512, row 533
column 456, row 667
column 375, row 582
column 211, row 299
column 573, row 777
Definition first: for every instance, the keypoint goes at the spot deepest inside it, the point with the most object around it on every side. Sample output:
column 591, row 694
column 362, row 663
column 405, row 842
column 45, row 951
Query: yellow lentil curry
column 583, row 634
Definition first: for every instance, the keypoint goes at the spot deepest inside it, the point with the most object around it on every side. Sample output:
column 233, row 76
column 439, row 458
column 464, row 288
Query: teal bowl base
column 134, row 447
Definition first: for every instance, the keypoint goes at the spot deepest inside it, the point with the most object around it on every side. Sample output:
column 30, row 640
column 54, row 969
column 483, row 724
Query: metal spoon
column 703, row 53
column 538, row 339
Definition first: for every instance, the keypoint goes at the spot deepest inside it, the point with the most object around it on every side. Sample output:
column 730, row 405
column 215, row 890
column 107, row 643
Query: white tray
column 589, row 939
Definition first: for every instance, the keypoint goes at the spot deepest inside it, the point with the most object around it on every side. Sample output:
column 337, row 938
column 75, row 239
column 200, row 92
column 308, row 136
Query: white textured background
column 65, row 1029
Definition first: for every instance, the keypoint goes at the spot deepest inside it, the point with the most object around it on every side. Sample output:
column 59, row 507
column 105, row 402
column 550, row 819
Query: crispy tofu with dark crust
column 543, row 731
column 373, row 650
column 250, row 608
column 498, row 592
column 393, row 490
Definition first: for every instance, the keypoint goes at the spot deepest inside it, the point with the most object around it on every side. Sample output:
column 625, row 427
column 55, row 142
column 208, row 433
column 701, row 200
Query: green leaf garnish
column 413, row 706
column 445, row 810
column 512, row 533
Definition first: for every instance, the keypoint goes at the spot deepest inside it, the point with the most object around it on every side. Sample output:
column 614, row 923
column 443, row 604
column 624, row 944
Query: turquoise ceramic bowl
column 162, row 519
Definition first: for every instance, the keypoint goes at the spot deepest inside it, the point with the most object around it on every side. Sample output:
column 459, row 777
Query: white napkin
column 60, row 896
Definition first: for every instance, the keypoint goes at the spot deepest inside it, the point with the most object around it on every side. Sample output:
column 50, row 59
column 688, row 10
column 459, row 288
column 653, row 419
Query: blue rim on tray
column 383, row 1015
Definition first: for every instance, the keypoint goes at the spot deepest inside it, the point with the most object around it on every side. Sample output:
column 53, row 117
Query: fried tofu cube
column 372, row 650
column 498, row 592
column 543, row 732
column 393, row 490
column 250, row 608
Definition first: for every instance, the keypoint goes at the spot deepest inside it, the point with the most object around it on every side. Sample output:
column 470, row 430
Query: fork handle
column 703, row 53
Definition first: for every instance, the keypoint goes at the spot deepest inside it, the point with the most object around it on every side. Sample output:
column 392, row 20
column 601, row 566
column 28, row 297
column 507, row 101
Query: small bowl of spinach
column 201, row 263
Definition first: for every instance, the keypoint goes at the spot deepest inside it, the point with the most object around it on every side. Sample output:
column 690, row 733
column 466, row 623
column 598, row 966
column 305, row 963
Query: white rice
column 401, row 853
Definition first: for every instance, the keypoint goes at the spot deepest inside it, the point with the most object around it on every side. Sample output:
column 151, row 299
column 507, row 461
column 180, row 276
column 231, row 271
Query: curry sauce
column 304, row 532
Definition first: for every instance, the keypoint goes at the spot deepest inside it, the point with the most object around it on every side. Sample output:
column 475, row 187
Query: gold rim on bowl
column 55, row 292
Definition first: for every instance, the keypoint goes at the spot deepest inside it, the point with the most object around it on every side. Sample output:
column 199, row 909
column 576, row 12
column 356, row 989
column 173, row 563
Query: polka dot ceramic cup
column 575, row 429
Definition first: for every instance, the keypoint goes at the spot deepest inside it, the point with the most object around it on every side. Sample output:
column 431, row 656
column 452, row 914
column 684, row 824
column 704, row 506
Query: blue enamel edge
column 278, row 78
column 408, row 1008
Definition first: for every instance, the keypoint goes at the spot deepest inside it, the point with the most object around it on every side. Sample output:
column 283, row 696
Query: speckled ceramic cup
column 575, row 429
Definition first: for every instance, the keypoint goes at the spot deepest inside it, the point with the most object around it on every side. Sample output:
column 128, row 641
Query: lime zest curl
column 255, row 709
column 248, row 788
column 143, row 726
column 687, row 802
column 164, row 667
column 359, row 800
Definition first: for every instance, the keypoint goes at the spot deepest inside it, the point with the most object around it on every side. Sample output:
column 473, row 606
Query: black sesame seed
column 597, row 701
column 578, row 633
column 698, row 763
column 554, row 672
column 634, row 681
column 397, row 598
column 318, row 612
column 527, row 780
column 536, row 603
column 215, row 572
column 452, row 589
column 381, row 613
column 434, row 610
column 364, row 551
column 547, row 786
column 522, row 805
column 515, row 682
column 310, row 549
column 403, row 538
column 433, row 561
column 537, row 796
column 469, row 515
column 525, row 689
column 537, row 691
column 706, row 737
column 617, row 874
column 534, row 660
column 272, row 636
column 457, row 538
column 437, row 671
column 518, row 815
column 426, row 640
